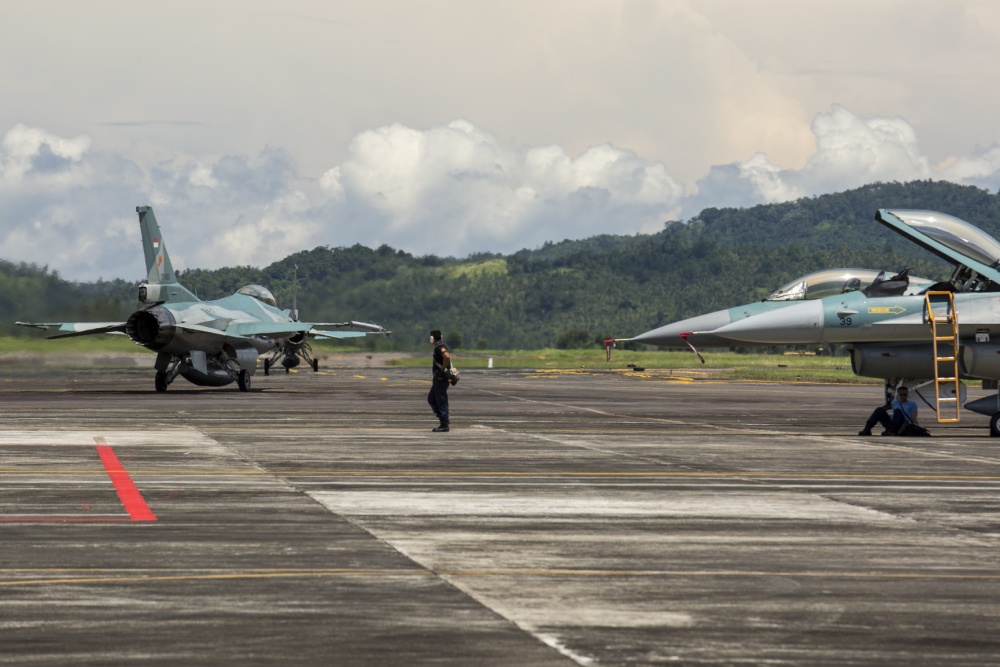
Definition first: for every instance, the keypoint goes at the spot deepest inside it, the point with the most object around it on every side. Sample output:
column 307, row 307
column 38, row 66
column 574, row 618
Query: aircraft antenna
column 295, row 290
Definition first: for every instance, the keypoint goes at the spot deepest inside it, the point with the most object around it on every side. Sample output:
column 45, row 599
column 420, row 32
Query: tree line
column 567, row 294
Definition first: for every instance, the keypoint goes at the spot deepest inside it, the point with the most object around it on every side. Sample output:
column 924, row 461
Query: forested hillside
column 567, row 293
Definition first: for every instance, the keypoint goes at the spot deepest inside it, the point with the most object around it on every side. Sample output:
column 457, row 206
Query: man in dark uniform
column 438, row 396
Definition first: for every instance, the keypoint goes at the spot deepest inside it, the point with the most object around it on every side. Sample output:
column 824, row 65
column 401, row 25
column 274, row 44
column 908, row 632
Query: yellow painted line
column 497, row 572
column 515, row 473
column 720, row 573
column 115, row 579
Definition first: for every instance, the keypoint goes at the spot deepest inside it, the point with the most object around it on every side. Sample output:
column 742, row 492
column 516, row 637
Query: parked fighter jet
column 210, row 343
column 700, row 330
column 913, row 338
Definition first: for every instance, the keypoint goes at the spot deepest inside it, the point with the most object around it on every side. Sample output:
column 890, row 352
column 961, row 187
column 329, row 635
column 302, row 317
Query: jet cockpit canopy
column 974, row 253
column 961, row 236
column 829, row 282
column 260, row 293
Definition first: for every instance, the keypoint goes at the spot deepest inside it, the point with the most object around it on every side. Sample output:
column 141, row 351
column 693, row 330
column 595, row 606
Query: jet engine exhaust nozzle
column 152, row 328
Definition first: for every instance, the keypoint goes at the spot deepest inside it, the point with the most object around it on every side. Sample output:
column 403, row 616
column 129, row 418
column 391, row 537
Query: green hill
column 565, row 293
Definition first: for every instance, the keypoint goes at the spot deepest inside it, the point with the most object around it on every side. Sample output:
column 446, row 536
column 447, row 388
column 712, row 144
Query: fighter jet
column 700, row 331
column 911, row 338
column 209, row 343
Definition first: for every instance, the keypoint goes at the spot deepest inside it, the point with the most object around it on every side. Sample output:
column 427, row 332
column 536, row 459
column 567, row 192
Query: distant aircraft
column 209, row 343
column 946, row 333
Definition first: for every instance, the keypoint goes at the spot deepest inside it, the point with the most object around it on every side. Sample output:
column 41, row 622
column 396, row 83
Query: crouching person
column 903, row 420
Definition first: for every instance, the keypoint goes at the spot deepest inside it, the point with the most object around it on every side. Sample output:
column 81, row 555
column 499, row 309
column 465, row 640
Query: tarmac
column 569, row 518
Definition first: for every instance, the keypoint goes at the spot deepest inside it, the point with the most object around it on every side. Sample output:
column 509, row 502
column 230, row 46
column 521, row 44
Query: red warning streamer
column 684, row 337
column 129, row 494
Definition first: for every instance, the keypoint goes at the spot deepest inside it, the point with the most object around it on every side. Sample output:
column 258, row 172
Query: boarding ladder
column 944, row 334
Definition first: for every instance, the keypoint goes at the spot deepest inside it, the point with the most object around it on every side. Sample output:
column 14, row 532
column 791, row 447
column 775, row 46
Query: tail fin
column 158, row 267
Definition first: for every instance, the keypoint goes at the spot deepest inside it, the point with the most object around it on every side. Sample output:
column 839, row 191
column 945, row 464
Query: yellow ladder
column 949, row 355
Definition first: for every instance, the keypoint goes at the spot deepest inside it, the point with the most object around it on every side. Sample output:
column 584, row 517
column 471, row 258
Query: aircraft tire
column 315, row 365
column 267, row 367
column 995, row 426
column 243, row 380
column 160, row 382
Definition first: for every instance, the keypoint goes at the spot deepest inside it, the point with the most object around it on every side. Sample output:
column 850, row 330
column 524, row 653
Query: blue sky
column 257, row 129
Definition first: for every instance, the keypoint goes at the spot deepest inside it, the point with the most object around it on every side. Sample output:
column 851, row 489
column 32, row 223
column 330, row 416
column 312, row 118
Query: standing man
column 438, row 396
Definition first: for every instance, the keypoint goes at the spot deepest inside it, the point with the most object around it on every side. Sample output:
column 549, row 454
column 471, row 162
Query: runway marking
column 913, row 449
column 64, row 519
column 745, row 430
column 128, row 493
column 522, row 474
column 284, row 574
column 659, row 420
column 111, row 578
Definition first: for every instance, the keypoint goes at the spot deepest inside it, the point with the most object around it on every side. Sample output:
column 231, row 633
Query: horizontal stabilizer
column 71, row 329
column 116, row 329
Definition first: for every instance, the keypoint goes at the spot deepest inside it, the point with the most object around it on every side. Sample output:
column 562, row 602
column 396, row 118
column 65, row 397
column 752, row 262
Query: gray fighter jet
column 209, row 343
column 934, row 339
column 700, row 330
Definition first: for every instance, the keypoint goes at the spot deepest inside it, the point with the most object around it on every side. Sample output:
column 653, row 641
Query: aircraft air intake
column 152, row 328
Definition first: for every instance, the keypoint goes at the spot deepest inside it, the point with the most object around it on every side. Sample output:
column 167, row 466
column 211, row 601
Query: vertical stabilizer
column 159, row 270
column 158, row 266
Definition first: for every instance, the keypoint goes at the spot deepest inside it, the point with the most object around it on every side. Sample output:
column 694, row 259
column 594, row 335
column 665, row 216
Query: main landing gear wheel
column 243, row 380
column 160, row 381
column 315, row 365
column 995, row 426
column 267, row 367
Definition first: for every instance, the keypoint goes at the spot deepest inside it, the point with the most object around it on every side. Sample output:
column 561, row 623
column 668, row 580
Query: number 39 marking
column 845, row 321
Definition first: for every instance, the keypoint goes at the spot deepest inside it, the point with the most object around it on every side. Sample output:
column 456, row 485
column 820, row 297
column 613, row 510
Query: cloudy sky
column 257, row 129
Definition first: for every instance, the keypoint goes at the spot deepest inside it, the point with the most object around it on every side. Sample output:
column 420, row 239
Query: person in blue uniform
column 438, row 396
column 903, row 410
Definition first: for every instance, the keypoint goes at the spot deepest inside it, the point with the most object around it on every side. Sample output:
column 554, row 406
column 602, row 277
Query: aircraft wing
column 366, row 329
column 245, row 329
column 271, row 328
column 325, row 335
column 71, row 329
column 374, row 328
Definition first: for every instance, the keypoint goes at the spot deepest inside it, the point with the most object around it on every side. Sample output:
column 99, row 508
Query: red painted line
column 129, row 494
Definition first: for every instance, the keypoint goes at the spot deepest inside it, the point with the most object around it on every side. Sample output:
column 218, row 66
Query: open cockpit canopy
column 963, row 237
column 974, row 253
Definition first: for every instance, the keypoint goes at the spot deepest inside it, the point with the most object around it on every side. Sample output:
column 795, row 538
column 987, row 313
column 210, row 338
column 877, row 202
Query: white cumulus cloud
column 450, row 190
column 850, row 152
column 458, row 189
column 32, row 149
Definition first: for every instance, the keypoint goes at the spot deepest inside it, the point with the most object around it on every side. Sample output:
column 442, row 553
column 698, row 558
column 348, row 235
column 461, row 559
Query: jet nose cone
column 795, row 325
column 670, row 335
